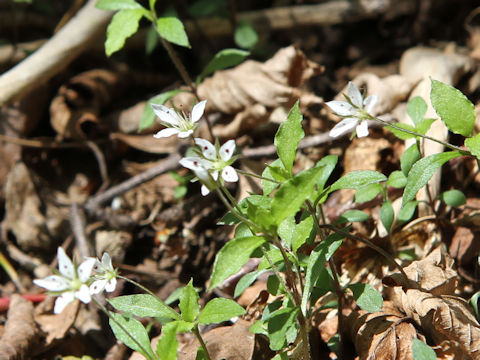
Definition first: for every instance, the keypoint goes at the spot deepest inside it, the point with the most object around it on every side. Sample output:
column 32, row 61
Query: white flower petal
column 198, row 110
column 111, row 285
column 369, row 103
column 215, row 175
column 229, row 174
column 107, row 261
column 354, row 94
column 166, row 114
column 343, row 126
column 204, row 190
column 341, row 108
column 362, row 129
column 185, row 134
column 97, row 286
column 83, row 294
column 208, row 149
column 85, row 269
column 62, row 301
column 166, row 133
column 53, row 283
column 65, row 265
column 227, row 150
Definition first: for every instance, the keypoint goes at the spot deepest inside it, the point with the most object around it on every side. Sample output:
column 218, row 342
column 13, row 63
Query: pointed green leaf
column 232, row 257
column 172, row 30
column 275, row 171
column 387, row 215
column 278, row 326
column 322, row 253
column 286, row 229
column 123, row 25
column 167, row 343
column 144, row 305
column 302, row 233
column 288, row 136
column 424, row 126
column 423, row 170
column 118, row 5
column 407, row 211
column 453, row 198
column 352, row 216
column 397, row 179
column 454, row 109
column 290, row 197
column 409, row 157
column 188, row 305
column 218, row 310
column 416, row 109
column 367, row 193
column 422, row 351
column 357, row 179
column 246, row 281
column 223, row 59
column 367, row 297
column 473, row 144
column 135, row 329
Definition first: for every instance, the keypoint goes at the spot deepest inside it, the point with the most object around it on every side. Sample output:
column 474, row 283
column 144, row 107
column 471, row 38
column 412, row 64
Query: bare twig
column 56, row 54
column 169, row 163
column 77, row 223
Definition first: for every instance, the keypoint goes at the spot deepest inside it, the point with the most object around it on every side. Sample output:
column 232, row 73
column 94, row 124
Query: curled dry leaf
column 427, row 298
column 386, row 334
column 75, row 110
column 20, row 335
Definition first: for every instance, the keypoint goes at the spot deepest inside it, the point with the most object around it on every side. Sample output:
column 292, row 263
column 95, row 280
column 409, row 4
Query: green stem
column 140, row 346
column 246, row 173
column 235, row 212
column 444, row 143
column 196, row 332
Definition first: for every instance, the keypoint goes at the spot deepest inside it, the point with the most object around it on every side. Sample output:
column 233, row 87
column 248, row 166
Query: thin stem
column 298, row 300
column 246, row 173
column 138, row 285
column 196, row 332
column 140, row 346
column 236, row 212
column 446, row 144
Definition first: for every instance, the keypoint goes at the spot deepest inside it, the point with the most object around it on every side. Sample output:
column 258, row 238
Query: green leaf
column 278, row 326
column 407, row 211
column 123, row 25
column 416, row 109
column 232, row 257
column 275, row 171
column 454, row 109
column 167, row 343
column 302, row 233
column 402, row 134
column 259, row 212
column 245, row 35
column 188, row 305
column 218, row 310
column 352, row 216
column 367, row 193
column 118, row 5
column 357, row 179
column 422, row 351
column 151, row 40
column 202, row 8
column 144, row 305
column 423, row 170
column 288, row 136
column 409, row 157
column 328, row 162
column 387, row 215
column 473, row 144
column 453, row 198
column 474, row 304
column 397, row 179
column 273, row 285
column 290, row 197
column 135, row 329
column 172, row 30
column 424, row 126
column 286, row 229
column 246, row 281
column 319, row 256
column 367, row 297
column 223, row 59
column 148, row 116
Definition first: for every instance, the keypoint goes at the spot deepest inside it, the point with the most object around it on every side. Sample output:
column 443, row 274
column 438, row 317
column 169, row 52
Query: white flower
column 355, row 111
column 70, row 284
column 105, row 276
column 178, row 124
column 212, row 162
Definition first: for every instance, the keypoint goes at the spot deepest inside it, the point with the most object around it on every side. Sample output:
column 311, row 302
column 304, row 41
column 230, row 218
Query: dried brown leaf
column 20, row 335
